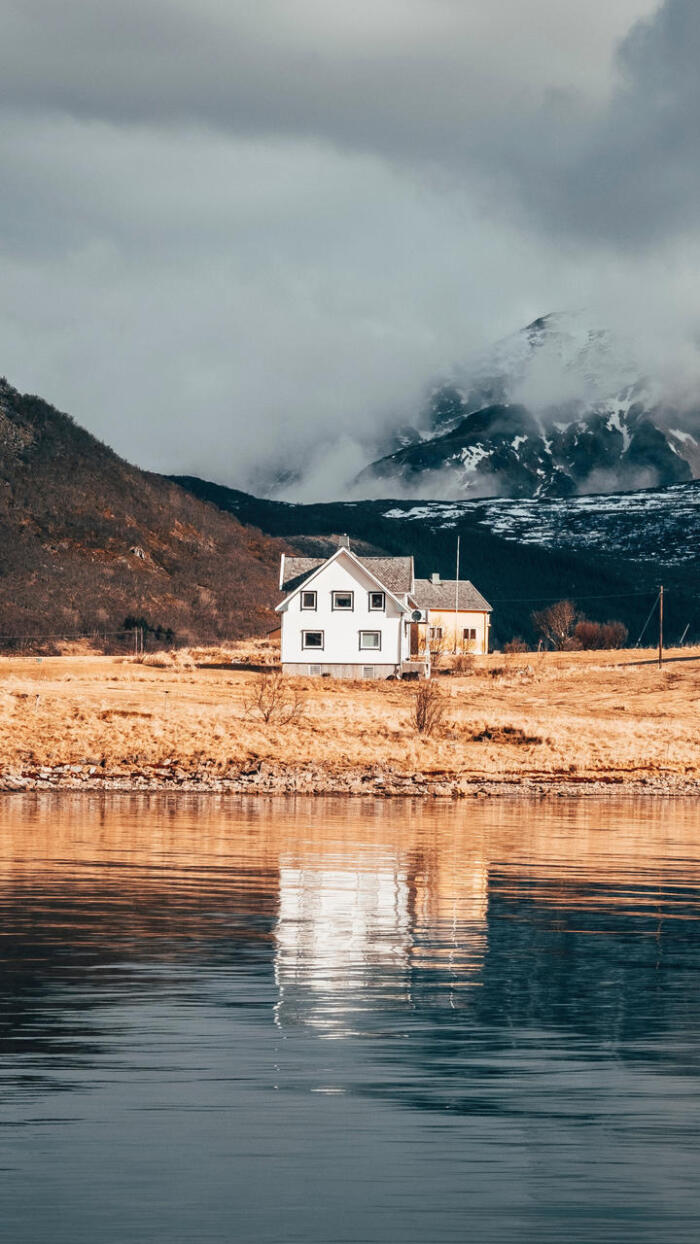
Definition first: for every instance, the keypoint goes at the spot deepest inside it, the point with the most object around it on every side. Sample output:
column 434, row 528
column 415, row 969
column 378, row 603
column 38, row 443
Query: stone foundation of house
column 315, row 669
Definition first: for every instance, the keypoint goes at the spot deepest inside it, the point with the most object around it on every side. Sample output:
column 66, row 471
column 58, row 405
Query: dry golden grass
column 569, row 715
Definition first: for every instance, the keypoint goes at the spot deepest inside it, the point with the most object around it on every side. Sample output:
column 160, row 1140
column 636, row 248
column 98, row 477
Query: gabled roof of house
column 395, row 573
column 429, row 595
column 296, row 569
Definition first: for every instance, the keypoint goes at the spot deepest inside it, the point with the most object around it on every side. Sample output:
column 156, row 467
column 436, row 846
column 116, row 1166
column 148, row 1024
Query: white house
column 352, row 616
column 346, row 616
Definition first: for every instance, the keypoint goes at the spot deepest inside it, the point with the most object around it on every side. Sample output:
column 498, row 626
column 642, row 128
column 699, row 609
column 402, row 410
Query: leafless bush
column 462, row 663
column 596, row 635
column 514, row 645
column 271, row 700
column 428, row 708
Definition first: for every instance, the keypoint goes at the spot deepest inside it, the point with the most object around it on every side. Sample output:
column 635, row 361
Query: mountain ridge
column 87, row 539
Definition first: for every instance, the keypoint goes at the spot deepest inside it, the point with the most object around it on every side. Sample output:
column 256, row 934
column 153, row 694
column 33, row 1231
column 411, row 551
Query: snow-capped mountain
column 554, row 410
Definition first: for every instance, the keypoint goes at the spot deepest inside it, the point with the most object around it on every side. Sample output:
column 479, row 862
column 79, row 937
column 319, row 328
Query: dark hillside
column 517, row 577
column 86, row 540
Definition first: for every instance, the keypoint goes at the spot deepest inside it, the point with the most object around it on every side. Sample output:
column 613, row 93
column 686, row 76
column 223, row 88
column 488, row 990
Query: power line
column 533, row 600
column 651, row 614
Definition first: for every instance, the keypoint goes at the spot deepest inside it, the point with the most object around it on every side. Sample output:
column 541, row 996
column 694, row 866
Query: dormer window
column 309, row 600
column 344, row 601
column 377, row 601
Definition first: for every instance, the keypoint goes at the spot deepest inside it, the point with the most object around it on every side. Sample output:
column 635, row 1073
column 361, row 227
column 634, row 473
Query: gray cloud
column 236, row 235
column 520, row 96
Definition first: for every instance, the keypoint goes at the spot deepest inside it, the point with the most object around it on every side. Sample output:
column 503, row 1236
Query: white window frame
column 469, row 634
column 342, row 608
column 371, row 647
column 376, row 608
column 313, row 647
column 435, row 632
column 308, row 608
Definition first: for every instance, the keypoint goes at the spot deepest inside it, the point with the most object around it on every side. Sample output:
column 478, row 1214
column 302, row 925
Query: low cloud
column 241, row 239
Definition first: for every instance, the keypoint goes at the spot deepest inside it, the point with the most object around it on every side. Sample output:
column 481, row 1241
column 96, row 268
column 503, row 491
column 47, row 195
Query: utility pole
column 661, row 625
column 457, row 596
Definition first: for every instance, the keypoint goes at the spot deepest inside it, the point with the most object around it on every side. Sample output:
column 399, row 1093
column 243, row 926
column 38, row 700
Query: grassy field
column 606, row 716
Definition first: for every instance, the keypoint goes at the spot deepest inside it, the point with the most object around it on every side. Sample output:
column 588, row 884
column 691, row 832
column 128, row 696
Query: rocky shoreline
column 277, row 779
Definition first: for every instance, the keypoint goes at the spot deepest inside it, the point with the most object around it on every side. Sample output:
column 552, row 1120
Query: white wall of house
column 341, row 629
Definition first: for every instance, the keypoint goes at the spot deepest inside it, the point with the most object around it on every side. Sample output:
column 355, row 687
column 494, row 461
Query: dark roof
column 394, row 573
column 429, row 595
column 296, row 569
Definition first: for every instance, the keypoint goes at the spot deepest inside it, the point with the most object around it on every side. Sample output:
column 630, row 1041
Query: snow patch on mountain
column 657, row 524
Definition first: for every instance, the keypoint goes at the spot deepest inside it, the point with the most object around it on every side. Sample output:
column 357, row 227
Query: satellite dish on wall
column 416, row 616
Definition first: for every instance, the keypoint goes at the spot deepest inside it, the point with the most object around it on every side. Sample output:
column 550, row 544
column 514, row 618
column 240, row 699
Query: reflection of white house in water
column 343, row 940
column 350, row 941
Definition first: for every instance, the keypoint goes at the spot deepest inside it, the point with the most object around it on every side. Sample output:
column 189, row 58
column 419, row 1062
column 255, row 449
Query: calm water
column 326, row 1021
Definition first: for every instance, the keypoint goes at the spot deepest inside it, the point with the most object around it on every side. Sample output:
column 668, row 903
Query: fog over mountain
column 245, row 241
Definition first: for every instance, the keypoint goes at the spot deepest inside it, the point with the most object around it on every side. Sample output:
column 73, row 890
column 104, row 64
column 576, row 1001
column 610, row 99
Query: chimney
column 344, row 542
column 435, row 578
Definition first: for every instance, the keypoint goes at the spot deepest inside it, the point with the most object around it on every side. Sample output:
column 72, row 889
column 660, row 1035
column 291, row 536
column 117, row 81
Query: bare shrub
column 615, row 634
column 462, row 663
column 556, row 624
column 515, row 645
column 598, row 635
column 271, row 700
column 428, row 708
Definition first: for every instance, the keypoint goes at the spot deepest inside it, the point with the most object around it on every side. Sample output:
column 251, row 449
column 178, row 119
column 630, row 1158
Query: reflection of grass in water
column 592, row 714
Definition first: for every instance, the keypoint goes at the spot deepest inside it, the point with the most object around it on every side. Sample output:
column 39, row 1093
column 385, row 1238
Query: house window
column 435, row 632
column 371, row 639
column 377, row 600
column 342, row 600
column 312, row 639
column 308, row 600
column 469, row 633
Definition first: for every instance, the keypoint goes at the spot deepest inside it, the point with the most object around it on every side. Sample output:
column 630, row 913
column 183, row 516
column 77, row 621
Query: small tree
column 435, row 645
column 271, row 700
column 556, row 624
column 428, row 708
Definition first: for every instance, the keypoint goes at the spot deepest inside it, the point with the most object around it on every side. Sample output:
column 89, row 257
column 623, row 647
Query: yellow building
column 458, row 618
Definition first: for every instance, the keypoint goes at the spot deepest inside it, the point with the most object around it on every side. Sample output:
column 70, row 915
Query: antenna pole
column 661, row 625
column 457, row 596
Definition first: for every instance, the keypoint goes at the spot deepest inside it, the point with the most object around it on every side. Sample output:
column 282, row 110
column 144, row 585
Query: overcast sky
column 232, row 232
